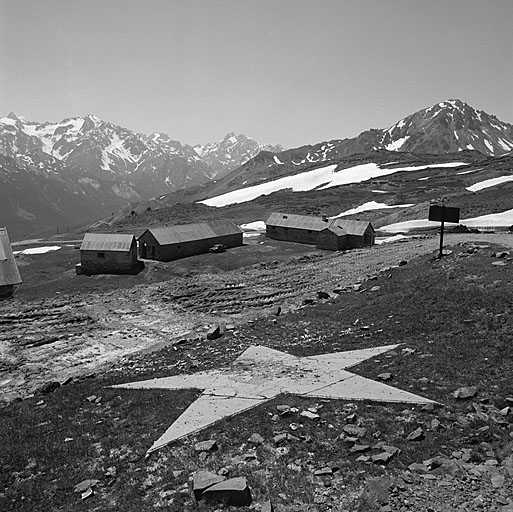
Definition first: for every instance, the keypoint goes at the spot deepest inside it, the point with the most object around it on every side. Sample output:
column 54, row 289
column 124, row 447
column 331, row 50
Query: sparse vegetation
column 453, row 320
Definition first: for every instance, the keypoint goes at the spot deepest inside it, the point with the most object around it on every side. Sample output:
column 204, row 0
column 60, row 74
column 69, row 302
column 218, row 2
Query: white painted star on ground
column 260, row 374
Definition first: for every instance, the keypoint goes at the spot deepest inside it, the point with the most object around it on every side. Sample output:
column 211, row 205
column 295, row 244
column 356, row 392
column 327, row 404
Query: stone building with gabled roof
column 108, row 253
column 329, row 234
column 180, row 241
column 9, row 275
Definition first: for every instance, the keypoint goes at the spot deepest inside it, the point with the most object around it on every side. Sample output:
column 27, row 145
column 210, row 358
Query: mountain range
column 77, row 170
column 80, row 169
column 451, row 127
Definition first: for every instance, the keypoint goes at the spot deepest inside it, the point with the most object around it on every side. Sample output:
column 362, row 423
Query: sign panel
column 444, row 213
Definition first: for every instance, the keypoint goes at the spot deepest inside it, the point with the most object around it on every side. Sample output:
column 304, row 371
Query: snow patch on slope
column 504, row 219
column 321, row 178
column 371, row 205
column 492, row 182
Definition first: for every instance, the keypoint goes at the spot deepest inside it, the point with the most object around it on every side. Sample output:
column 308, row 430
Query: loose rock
column 234, row 492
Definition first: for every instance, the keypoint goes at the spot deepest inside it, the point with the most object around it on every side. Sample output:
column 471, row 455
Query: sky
column 289, row 72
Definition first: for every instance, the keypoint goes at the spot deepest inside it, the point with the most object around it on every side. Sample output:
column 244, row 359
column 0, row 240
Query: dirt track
column 53, row 339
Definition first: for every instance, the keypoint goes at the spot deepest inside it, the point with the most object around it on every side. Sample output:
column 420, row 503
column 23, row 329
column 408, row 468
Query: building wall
column 112, row 262
column 150, row 249
column 325, row 239
column 302, row 236
column 329, row 241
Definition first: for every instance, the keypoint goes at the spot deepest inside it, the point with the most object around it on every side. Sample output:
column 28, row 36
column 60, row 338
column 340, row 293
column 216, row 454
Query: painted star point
column 260, row 374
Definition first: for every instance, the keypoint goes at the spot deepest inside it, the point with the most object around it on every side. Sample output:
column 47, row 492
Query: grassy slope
column 454, row 315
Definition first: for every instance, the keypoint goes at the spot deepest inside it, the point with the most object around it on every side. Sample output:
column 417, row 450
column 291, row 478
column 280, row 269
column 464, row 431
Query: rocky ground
column 63, row 336
column 295, row 454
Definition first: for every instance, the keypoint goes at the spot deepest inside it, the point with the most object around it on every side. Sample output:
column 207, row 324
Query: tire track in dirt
column 51, row 338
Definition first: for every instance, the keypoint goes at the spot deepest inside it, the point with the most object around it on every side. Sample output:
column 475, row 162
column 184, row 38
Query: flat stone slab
column 234, row 492
column 260, row 374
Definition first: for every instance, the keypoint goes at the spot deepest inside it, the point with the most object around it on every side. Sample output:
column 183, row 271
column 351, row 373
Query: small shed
column 174, row 242
column 9, row 275
column 108, row 253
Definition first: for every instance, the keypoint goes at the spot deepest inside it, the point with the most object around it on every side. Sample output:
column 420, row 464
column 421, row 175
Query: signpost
column 443, row 214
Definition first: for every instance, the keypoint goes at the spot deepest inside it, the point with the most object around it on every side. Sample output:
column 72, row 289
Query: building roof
column 287, row 220
column 352, row 227
column 189, row 232
column 338, row 226
column 107, row 242
column 9, row 274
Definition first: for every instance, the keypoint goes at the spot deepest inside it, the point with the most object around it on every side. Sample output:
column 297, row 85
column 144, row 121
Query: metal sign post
column 443, row 214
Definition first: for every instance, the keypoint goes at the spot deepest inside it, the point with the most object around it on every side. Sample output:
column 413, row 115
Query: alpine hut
column 108, row 253
column 9, row 274
column 180, row 241
column 324, row 233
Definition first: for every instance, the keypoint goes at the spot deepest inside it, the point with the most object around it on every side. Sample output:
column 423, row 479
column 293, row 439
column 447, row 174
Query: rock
column 256, row 439
column 353, row 430
column 402, row 263
column 416, row 435
column 375, row 288
column 499, row 263
column 276, row 310
column 85, row 485
column 49, row 387
column 391, row 449
column 310, row 415
column 497, row 481
column 385, row 376
column 382, row 458
column 234, row 492
column 374, row 494
column 250, row 455
column 7, row 398
column 224, row 471
column 360, row 448
column 206, row 446
column 214, row 333
column 501, row 254
column 202, row 480
column 323, row 471
column 283, row 409
column 418, row 468
column 351, row 418
column 323, row 295
column 465, row 392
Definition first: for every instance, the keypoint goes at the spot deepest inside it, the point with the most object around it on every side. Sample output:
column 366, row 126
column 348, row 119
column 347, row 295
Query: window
column 101, row 255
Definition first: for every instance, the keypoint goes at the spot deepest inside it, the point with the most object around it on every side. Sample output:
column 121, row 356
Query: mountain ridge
column 97, row 165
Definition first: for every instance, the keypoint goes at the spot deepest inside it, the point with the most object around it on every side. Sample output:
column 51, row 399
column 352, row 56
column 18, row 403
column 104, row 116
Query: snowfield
column 321, row 178
column 39, row 250
column 492, row 182
column 371, row 205
column 503, row 219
